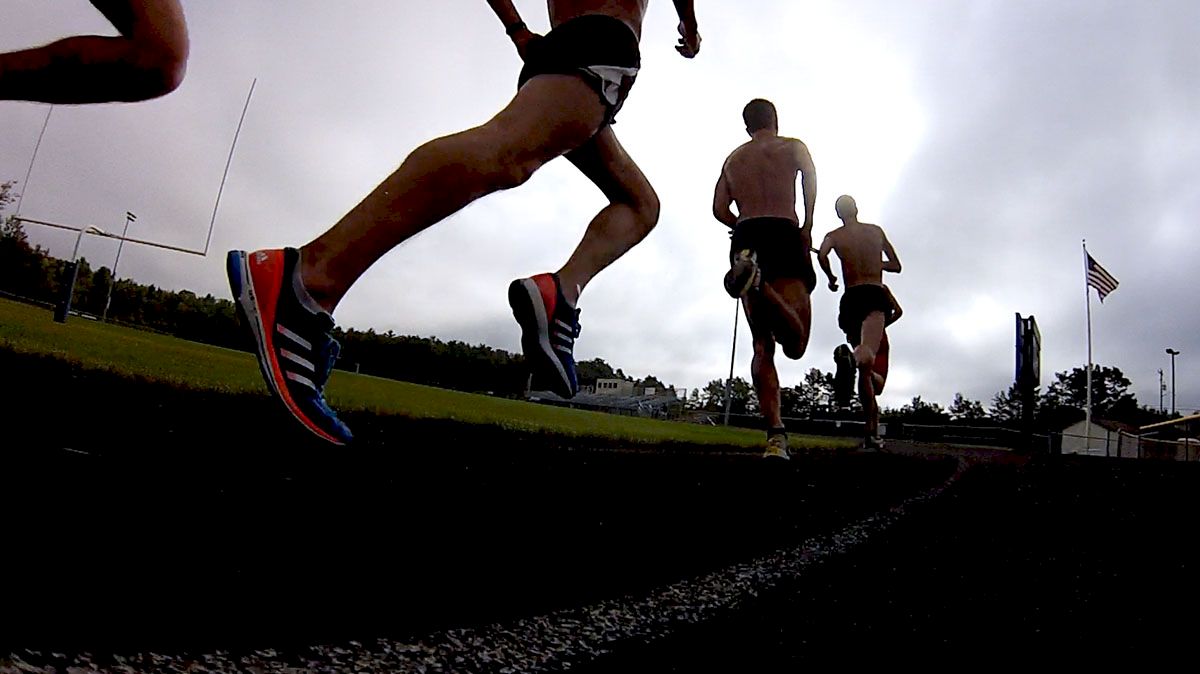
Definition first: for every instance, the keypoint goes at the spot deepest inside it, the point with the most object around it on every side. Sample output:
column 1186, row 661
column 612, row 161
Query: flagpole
column 1088, row 295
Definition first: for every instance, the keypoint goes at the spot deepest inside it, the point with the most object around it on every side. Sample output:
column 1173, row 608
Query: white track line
column 559, row 640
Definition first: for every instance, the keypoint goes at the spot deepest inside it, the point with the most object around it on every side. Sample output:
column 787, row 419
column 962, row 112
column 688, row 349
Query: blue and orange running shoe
column 549, row 327
column 295, row 350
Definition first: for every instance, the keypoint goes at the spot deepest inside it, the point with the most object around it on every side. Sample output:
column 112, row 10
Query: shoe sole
column 525, row 298
column 237, row 268
column 737, row 289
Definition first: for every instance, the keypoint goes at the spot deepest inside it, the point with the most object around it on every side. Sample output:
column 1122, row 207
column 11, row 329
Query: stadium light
column 1172, row 353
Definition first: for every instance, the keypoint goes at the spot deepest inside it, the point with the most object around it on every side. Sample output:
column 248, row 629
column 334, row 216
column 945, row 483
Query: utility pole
column 1162, row 388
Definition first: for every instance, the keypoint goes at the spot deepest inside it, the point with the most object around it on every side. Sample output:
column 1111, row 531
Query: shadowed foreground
column 136, row 536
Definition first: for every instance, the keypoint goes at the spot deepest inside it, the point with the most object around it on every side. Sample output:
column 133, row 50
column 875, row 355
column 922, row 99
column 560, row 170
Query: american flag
column 1098, row 278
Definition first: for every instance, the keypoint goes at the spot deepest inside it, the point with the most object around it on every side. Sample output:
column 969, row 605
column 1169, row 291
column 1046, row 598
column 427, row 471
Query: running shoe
column 291, row 336
column 777, row 447
column 843, row 377
column 743, row 274
column 549, row 327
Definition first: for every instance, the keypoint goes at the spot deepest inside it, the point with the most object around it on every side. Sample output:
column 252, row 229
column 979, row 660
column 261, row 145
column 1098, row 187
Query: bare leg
column 864, row 358
column 549, row 116
column 792, row 306
column 631, row 213
column 762, row 367
column 880, row 368
column 147, row 60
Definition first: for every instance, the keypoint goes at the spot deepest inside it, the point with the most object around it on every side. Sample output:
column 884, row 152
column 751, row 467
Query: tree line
column 1058, row 405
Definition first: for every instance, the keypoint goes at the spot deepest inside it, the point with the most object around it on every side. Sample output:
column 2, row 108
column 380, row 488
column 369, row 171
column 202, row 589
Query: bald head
column 845, row 207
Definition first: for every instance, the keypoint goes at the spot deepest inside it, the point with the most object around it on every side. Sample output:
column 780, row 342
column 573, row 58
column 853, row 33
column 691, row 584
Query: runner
column 770, row 251
column 843, row 357
column 572, row 86
column 867, row 305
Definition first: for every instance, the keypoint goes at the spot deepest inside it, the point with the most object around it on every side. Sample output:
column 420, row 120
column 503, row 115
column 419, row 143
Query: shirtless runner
column 770, row 253
column 867, row 305
column 146, row 60
column 574, row 81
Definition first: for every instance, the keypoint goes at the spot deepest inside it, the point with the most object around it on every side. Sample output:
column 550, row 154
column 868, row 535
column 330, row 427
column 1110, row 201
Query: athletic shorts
column 783, row 251
column 601, row 49
column 857, row 303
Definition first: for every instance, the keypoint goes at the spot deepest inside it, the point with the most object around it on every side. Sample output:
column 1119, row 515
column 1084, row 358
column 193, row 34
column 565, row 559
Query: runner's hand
column 833, row 283
column 689, row 41
column 522, row 39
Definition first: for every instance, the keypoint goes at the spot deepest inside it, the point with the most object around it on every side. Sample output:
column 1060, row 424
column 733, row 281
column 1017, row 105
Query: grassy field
column 129, row 352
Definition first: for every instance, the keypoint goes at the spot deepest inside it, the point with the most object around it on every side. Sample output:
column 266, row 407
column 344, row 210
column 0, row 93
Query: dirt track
column 225, row 552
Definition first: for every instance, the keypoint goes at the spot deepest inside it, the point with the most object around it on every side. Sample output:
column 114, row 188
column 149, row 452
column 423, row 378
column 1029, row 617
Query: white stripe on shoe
column 543, row 323
column 307, row 345
column 302, row 362
column 300, row 379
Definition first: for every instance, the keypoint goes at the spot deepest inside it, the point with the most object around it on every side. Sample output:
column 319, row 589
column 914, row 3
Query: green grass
column 98, row 346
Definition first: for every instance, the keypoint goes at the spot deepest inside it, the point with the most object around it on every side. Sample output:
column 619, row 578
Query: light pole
column 1172, row 353
column 112, row 278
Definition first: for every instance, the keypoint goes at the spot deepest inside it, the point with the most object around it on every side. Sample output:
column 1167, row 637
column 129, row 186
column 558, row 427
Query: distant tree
column 791, row 403
column 1006, row 407
column 713, row 396
column 650, row 382
column 8, row 194
column 963, row 409
column 808, row 397
column 741, row 394
column 745, row 400
column 588, row 371
column 1110, row 391
column 1048, row 415
column 21, row 270
column 920, row 412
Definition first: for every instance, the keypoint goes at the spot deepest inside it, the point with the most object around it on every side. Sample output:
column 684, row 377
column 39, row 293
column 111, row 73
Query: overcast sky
column 988, row 138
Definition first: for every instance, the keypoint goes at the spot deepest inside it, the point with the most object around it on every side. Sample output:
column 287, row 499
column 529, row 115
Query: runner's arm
column 823, row 258
column 722, row 199
column 897, row 311
column 808, row 183
column 892, row 263
column 689, row 34
column 513, row 25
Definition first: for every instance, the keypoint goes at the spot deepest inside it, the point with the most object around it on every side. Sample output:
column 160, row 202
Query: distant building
column 617, row 396
column 1101, row 438
column 614, row 387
